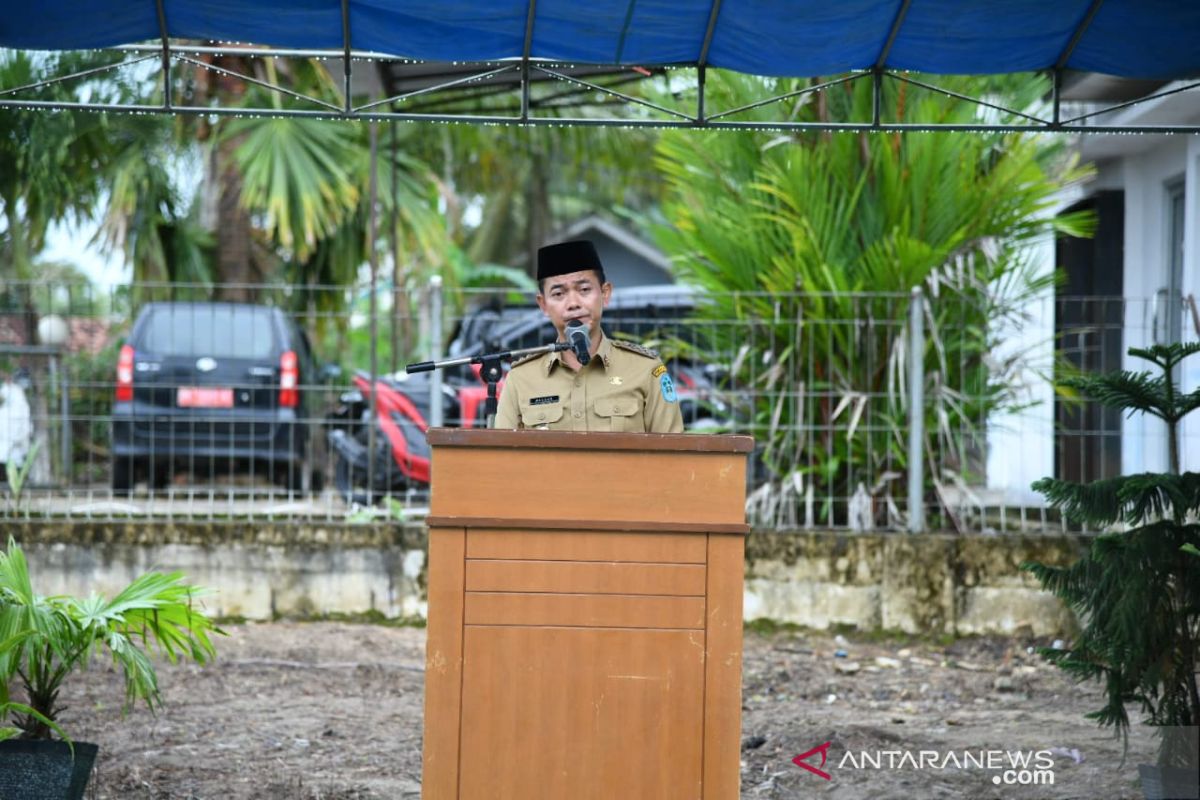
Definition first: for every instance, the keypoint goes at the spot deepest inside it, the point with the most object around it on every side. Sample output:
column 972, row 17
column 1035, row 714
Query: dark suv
column 214, row 387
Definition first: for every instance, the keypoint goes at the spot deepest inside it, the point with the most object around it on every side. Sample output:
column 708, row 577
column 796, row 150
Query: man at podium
column 600, row 384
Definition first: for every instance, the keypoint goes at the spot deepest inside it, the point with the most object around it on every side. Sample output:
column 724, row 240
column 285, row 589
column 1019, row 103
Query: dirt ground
column 334, row 711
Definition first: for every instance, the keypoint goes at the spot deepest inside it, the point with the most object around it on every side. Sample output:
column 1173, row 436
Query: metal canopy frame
column 444, row 93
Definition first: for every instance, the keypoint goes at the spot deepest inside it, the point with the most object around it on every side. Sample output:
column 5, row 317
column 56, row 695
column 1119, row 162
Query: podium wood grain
column 585, row 641
column 443, row 662
column 582, row 713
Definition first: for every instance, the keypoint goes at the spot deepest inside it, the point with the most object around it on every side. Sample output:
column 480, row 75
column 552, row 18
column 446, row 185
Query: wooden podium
column 585, row 615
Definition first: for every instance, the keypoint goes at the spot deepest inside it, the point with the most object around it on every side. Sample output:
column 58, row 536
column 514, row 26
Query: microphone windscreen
column 577, row 335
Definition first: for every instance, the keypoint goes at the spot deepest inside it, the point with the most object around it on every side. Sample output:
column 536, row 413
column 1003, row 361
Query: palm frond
column 43, row 640
column 785, row 232
column 295, row 173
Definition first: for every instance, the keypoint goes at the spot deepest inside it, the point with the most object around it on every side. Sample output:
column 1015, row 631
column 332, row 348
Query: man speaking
column 600, row 384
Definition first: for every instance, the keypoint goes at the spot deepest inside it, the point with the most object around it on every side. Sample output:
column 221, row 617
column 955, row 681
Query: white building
column 1135, row 283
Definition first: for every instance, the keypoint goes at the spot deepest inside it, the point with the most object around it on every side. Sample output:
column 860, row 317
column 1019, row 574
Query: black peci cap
column 567, row 257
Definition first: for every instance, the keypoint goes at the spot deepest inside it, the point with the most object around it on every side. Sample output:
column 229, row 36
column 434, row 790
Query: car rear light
column 289, row 377
column 125, row 374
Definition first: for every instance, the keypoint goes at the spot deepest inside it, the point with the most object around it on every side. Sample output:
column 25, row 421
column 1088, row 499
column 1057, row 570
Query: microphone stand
column 490, row 370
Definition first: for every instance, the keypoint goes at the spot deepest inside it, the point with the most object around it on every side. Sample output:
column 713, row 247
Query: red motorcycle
column 401, row 418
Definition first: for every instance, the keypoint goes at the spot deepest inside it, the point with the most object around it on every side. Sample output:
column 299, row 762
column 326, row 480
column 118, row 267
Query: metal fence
column 100, row 419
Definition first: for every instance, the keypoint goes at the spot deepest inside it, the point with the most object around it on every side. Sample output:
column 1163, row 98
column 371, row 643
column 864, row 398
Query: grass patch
column 357, row 618
column 372, row 617
column 764, row 626
column 893, row 636
column 769, row 627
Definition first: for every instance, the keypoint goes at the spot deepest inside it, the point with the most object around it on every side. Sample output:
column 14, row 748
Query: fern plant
column 1136, row 591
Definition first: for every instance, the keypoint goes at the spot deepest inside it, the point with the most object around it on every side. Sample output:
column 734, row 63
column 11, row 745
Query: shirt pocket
column 542, row 415
column 624, row 414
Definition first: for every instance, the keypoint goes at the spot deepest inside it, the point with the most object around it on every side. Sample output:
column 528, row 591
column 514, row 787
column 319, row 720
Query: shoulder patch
column 526, row 359
column 668, row 388
column 634, row 348
column 659, row 370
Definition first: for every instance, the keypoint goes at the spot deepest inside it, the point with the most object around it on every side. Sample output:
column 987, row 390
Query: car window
column 220, row 331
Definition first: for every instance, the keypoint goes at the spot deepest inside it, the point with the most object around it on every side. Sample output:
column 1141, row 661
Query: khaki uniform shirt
column 624, row 387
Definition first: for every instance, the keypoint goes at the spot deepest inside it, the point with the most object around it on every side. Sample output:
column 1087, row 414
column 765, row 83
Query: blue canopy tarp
column 1156, row 39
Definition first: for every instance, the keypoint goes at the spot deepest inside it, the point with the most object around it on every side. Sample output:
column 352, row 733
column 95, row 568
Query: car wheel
column 122, row 475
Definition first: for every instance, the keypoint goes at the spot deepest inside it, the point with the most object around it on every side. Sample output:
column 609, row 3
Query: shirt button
column 578, row 382
column 578, row 414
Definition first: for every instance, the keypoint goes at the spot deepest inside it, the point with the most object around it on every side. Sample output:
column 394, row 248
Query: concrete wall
column 918, row 584
column 932, row 583
column 257, row 570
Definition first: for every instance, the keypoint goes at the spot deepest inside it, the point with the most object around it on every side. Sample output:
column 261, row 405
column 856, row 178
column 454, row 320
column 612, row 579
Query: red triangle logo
column 823, row 749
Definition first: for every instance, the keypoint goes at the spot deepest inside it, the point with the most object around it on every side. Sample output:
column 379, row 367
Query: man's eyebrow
column 563, row 285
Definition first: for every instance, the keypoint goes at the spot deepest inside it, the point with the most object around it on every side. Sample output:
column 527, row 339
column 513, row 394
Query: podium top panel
column 591, row 440
column 633, row 481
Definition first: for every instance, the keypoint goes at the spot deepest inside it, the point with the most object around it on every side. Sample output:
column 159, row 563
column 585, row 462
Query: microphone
column 577, row 335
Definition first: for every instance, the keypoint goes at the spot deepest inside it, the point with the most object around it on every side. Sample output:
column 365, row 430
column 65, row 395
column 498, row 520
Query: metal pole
column 372, row 188
column 393, row 224
column 435, row 353
column 56, row 386
column 916, row 411
column 876, row 96
column 65, row 405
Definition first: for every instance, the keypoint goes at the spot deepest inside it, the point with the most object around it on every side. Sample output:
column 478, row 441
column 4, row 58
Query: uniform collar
column 603, row 352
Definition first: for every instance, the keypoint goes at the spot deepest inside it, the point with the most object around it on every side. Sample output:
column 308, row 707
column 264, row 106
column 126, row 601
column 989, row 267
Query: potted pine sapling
column 1136, row 592
column 46, row 640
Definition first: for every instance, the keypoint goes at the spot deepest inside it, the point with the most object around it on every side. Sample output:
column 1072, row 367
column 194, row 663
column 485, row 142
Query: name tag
column 544, row 401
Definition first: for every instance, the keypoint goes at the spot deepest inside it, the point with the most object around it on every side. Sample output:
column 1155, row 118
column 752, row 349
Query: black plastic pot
column 42, row 770
column 1168, row 783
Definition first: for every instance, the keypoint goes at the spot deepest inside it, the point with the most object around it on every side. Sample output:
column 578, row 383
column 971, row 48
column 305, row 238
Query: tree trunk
column 236, row 272
column 224, row 213
column 538, row 209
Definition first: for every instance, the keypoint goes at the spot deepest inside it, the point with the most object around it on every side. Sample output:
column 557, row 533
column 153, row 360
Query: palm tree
column 51, row 160
column 241, row 202
column 506, row 190
column 147, row 216
column 808, row 245
column 233, row 203
column 51, row 167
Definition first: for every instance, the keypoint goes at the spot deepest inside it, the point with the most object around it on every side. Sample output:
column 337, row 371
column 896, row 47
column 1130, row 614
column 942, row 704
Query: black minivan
column 214, row 388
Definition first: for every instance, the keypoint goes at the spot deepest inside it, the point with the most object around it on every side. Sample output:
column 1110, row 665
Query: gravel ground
column 334, row 710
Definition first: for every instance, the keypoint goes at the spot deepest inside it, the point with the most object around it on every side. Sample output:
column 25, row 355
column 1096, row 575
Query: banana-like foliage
column 809, row 245
column 1137, row 592
column 43, row 640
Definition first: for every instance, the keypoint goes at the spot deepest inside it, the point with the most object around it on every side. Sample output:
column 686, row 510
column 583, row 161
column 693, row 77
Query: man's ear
column 606, row 292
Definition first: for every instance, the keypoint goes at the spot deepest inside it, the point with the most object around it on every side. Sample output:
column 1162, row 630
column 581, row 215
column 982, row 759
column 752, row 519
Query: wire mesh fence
column 233, row 402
